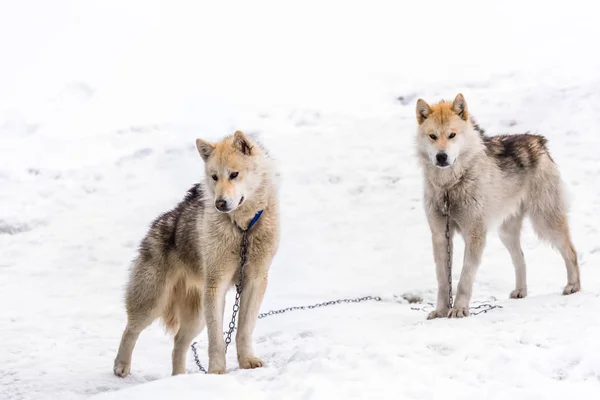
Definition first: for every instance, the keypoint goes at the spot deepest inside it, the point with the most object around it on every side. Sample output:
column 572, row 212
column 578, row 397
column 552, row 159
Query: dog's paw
column 251, row 362
column 216, row 363
column 121, row 369
column 458, row 312
column 443, row 313
column 518, row 294
column 572, row 288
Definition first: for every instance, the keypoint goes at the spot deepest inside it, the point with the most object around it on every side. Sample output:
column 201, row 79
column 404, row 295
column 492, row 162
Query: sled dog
column 490, row 181
column 191, row 256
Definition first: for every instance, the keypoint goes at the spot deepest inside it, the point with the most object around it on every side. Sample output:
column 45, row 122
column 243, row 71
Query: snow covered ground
column 100, row 103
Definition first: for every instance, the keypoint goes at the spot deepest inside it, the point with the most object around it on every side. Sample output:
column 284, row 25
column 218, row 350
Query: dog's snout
column 221, row 205
column 441, row 158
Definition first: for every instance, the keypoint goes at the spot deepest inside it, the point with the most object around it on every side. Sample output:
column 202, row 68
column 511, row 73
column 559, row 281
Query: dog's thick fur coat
column 489, row 180
column 191, row 257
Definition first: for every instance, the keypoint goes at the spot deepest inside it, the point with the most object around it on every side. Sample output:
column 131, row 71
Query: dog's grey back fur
column 175, row 232
column 516, row 153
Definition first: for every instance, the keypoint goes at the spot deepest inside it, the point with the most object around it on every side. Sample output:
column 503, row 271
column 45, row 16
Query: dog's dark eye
column 233, row 175
column 452, row 135
column 215, row 177
column 432, row 136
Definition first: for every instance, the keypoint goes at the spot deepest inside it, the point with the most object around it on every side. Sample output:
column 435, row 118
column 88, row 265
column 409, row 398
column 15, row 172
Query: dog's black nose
column 221, row 205
column 441, row 158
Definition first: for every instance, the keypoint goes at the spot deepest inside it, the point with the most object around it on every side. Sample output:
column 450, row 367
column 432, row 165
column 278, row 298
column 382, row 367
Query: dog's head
column 231, row 170
column 445, row 130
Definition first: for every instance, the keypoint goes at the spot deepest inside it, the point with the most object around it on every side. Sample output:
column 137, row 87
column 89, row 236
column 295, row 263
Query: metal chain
column 238, row 288
column 448, row 247
column 481, row 307
column 197, row 359
column 317, row 305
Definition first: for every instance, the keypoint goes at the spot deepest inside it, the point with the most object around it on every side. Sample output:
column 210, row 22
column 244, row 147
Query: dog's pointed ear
column 204, row 148
column 459, row 106
column 243, row 143
column 423, row 111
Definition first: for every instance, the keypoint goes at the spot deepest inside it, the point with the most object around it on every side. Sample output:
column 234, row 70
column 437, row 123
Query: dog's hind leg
column 144, row 300
column 510, row 235
column 191, row 323
column 547, row 210
column 553, row 226
column 135, row 325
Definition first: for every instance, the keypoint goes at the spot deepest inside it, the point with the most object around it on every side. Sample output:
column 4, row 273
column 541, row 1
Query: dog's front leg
column 254, row 288
column 214, row 307
column 474, row 244
column 437, row 223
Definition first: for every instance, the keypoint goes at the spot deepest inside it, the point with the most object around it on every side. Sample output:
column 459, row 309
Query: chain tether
column 448, row 247
column 317, row 305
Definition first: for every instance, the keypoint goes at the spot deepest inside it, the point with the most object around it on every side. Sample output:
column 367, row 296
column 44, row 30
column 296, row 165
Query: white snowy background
column 100, row 104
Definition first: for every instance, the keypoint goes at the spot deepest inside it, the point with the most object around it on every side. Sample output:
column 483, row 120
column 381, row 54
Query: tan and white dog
column 191, row 256
column 490, row 180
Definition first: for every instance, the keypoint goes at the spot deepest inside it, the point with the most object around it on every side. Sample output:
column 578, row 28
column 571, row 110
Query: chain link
column 317, row 305
column 481, row 307
column 238, row 288
column 197, row 359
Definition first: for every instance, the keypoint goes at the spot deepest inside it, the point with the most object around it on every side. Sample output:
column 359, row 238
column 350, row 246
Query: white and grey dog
column 489, row 180
column 191, row 256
